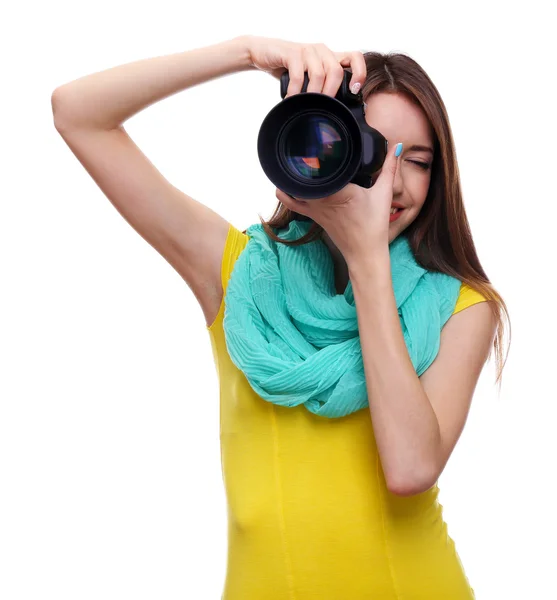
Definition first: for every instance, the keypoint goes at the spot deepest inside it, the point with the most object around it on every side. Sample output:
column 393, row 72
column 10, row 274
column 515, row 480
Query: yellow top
column 309, row 513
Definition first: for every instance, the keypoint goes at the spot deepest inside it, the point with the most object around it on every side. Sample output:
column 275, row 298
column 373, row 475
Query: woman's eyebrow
column 418, row 148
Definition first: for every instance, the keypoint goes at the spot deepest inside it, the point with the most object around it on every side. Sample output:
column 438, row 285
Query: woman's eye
column 422, row 165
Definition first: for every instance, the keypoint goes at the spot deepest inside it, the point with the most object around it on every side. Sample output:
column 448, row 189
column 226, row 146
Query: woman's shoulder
column 467, row 297
column 236, row 241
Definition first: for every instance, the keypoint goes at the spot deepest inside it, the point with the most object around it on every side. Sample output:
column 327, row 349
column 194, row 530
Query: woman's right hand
column 325, row 68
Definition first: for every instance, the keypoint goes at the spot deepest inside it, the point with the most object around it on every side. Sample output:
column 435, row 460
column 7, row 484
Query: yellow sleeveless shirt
column 309, row 513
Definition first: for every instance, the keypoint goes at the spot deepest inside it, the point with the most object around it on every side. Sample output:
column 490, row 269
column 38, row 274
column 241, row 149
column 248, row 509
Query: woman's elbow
column 410, row 486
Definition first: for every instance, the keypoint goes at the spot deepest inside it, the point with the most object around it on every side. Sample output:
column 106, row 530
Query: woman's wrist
column 241, row 48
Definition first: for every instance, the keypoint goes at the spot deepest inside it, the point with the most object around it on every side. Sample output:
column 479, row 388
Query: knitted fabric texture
column 297, row 341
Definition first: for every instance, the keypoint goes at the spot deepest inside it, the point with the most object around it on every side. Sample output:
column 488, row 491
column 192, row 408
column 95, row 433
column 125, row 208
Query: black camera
column 312, row 145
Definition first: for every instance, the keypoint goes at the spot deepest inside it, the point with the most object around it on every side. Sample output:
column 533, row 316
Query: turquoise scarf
column 296, row 340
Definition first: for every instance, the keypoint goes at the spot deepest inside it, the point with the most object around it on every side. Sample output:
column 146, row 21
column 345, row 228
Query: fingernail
column 355, row 88
column 398, row 151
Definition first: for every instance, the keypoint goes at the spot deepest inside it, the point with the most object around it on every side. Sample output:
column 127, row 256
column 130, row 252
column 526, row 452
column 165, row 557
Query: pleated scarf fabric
column 296, row 340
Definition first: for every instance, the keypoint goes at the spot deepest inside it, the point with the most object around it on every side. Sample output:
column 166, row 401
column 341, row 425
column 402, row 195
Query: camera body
column 311, row 145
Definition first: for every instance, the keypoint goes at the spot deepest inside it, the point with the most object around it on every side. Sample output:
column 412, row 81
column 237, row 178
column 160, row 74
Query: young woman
column 360, row 333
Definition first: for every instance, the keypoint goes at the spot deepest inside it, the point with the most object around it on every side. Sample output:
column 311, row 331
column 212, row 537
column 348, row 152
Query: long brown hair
column 440, row 236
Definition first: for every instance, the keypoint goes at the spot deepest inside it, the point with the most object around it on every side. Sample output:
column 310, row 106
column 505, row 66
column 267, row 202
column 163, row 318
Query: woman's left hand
column 355, row 218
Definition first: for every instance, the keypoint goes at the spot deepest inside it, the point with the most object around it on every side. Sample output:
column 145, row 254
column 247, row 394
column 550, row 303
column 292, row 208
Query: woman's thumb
column 390, row 165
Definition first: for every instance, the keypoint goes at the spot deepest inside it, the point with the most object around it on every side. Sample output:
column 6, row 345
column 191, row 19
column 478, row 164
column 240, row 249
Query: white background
column 110, row 476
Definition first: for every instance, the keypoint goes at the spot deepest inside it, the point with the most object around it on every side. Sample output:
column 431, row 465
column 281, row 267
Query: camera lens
column 311, row 145
column 314, row 147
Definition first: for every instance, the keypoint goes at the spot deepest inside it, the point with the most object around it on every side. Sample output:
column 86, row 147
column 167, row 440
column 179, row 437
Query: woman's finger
column 296, row 70
column 299, row 206
column 390, row 166
column 334, row 73
column 357, row 63
column 316, row 71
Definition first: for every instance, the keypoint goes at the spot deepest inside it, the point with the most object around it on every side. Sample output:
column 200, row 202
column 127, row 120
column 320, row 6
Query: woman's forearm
column 404, row 422
column 106, row 99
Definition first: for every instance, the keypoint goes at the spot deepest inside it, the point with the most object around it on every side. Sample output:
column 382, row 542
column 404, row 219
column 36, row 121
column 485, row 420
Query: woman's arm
column 416, row 420
column 107, row 99
column 88, row 114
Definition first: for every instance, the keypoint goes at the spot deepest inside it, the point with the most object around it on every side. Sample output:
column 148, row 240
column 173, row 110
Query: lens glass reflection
column 315, row 147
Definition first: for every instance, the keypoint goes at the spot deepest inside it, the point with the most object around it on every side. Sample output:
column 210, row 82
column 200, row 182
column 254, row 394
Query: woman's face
column 399, row 120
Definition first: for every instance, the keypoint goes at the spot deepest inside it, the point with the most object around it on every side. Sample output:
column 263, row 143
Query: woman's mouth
column 396, row 214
